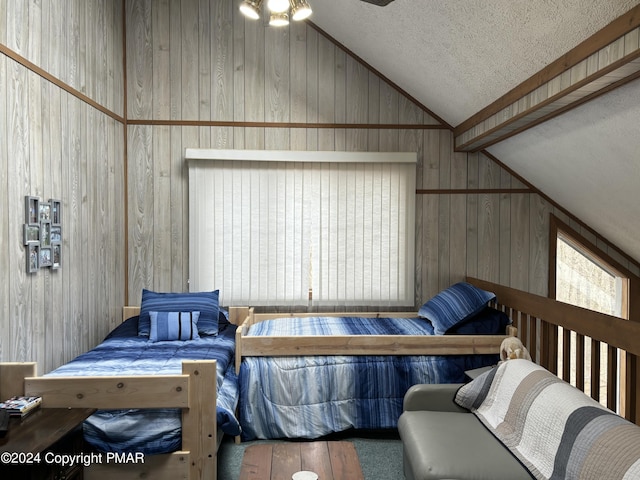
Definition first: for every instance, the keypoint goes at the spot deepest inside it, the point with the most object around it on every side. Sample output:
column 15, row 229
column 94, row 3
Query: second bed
column 306, row 376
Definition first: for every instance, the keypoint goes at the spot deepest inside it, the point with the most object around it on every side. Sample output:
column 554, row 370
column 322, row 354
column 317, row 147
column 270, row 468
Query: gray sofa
column 444, row 441
column 519, row 421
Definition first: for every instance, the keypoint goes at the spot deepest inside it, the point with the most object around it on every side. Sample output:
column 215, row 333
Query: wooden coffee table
column 279, row 461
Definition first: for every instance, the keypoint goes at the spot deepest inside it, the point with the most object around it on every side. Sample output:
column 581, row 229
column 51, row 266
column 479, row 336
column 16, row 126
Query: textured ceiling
column 458, row 56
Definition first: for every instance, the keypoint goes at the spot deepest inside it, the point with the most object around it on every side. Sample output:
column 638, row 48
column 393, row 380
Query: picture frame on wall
column 56, row 256
column 55, row 233
column 45, row 259
column 45, row 212
column 31, row 210
column 42, row 233
column 33, row 257
column 31, row 233
column 45, row 234
column 56, row 211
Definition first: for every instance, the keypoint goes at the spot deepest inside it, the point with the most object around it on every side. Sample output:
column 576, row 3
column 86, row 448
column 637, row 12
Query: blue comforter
column 123, row 352
column 312, row 396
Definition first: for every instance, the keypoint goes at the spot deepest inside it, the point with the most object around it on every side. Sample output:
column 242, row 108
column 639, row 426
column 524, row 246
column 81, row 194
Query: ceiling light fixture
column 279, row 11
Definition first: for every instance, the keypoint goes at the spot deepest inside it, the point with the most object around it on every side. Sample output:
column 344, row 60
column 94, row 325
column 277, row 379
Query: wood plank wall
column 201, row 76
column 57, row 56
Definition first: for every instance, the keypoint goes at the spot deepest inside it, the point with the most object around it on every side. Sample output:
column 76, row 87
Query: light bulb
column 278, row 6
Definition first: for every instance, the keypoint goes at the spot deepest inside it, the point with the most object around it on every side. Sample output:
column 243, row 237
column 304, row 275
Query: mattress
column 153, row 431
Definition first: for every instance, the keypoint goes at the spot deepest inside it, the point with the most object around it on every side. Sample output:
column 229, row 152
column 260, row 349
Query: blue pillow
column 454, row 305
column 204, row 302
column 488, row 321
column 173, row 326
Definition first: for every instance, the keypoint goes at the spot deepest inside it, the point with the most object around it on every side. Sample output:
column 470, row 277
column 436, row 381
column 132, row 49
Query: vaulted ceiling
column 549, row 87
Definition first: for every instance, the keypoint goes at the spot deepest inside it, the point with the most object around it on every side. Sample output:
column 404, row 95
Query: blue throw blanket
column 123, row 352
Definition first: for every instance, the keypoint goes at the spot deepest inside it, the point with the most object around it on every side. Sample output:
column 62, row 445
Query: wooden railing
column 597, row 353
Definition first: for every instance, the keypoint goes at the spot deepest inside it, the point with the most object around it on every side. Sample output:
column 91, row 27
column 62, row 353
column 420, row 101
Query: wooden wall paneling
column 189, row 137
column 119, row 228
column 340, row 98
column 204, row 62
column 3, row 21
column 390, row 114
column 326, row 92
column 373, row 109
column 140, row 59
column 160, row 58
column 57, row 37
column 105, row 221
column 70, row 74
column 356, row 104
column 254, row 83
column 175, row 61
column 140, row 209
column 430, row 211
column 91, row 218
column 163, row 208
column 40, row 303
column 444, row 215
column 18, row 172
column 458, row 259
column 539, row 246
column 312, row 86
column 472, row 216
column 190, row 62
column 35, row 33
column 6, row 318
column 66, row 181
column 505, row 229
column 18, row 28
column 520, row 241
column 276, row 87
column 237, row 99
column 488, row 220
column 222, row 60
column 298, row 83
column 87, row 224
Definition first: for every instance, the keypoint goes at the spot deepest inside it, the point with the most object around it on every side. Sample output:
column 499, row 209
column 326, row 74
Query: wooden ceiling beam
column 605, row 61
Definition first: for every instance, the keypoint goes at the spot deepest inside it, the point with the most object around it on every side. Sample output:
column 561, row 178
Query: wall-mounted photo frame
column 57, row 256
column 33, row 257
column 42, row 233
column 55, row 233
column 45, row 259
column 45, row 234
column 31, row 233
column 31, row 209
column 56, row 211
column 45, row 212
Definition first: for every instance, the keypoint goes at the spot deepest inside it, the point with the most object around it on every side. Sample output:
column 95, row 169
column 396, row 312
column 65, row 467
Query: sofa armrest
column 433, row 397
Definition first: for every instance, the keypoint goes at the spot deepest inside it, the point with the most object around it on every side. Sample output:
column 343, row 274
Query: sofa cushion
column 441, row 445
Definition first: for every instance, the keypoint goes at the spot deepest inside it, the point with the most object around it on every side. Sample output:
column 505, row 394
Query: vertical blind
column 294, row 228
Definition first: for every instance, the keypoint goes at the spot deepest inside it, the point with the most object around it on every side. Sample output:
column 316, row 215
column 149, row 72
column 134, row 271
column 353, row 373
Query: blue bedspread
column 312, row 396
column 123, row 352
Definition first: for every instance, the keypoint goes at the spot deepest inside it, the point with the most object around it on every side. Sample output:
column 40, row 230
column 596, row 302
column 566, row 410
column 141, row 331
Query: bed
column 309, row 375
column 178, row 395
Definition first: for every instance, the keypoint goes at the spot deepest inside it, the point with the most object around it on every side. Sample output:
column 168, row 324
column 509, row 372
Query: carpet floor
column 380, row 455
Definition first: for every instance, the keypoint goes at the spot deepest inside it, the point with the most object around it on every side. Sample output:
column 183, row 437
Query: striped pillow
column 204, row 302
column 454, row 305
column 173, row 326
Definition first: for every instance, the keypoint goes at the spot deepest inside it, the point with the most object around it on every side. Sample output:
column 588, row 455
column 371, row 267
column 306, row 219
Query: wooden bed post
column 199, row 420
column 12, row 375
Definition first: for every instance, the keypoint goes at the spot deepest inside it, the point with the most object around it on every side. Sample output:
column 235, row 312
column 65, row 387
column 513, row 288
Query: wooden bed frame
column 257, row 346
column 191, row 391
